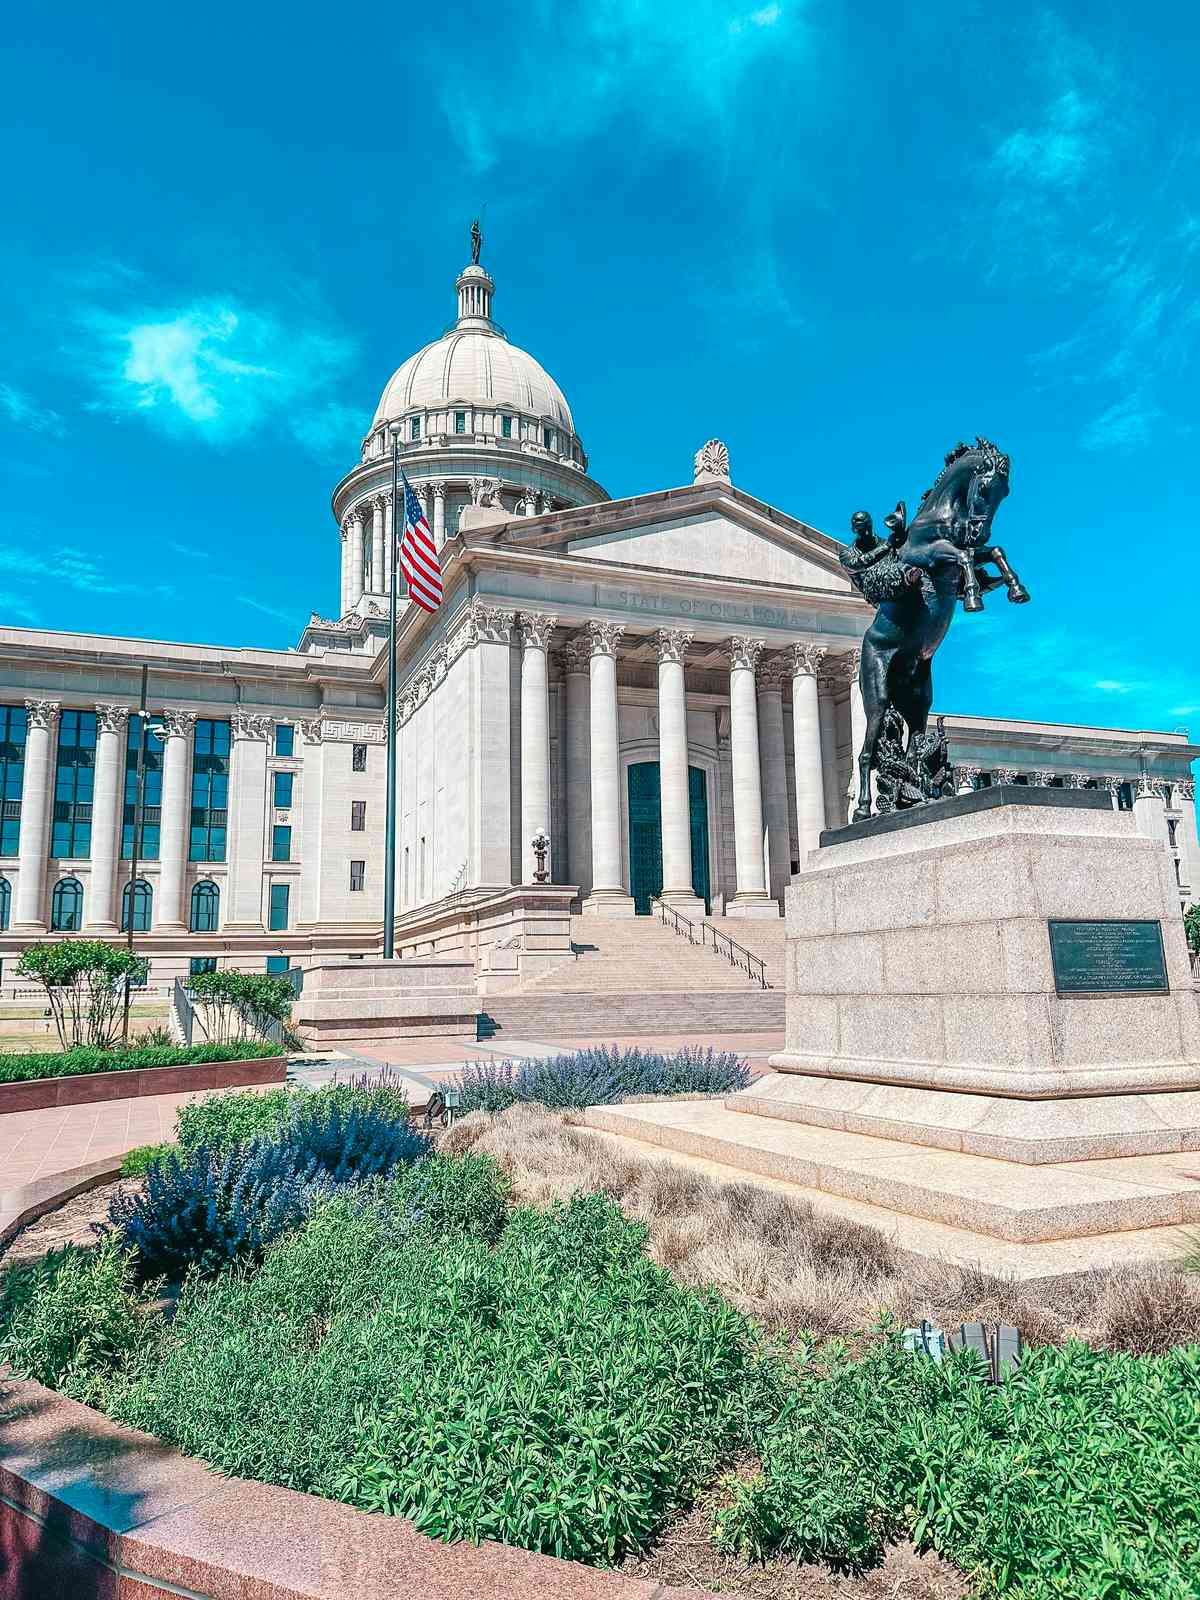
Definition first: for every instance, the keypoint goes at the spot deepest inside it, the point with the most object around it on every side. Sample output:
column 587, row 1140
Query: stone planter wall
column 93, row 1511
column 35, row 1094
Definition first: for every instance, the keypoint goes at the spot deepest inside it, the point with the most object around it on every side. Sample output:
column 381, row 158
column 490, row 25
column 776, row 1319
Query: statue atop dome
column 476, row 241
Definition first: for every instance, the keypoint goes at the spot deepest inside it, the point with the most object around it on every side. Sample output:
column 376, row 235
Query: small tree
column 237, row 1002
column 85, row 981
column 1191, row 926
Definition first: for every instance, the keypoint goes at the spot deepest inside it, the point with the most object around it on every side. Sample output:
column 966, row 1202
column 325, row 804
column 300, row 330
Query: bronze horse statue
column 916, row 579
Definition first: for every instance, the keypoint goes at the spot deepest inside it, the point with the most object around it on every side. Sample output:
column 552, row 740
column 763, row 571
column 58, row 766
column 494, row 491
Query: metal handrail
column 682, row 925
column 753, row 966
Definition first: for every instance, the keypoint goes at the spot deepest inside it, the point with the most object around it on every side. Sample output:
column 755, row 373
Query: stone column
column 575, row 658
column 389, row 542
column 438, row 490
column 1113, row 786
column 169, row 914
column 965, row 779
column 1185, row 834
column 247, row 828
column 29, row 912
column 772, row 753
column 536, row 628
column 858, row 731
column 357, row 518
column 675, row 803
column 751, row 899
column 527, row 504
column 547, row 502
column 608, row 897
column 345, row 599
column 807, row 754
column 1003, row 775
column 827, row 716
column 1149, row 809
column 378, row 513
column 112, row 732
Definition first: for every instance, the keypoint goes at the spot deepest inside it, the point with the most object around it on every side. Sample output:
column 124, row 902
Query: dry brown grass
column 796, row 1269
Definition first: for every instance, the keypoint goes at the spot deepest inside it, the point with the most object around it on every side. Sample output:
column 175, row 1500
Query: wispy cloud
column 16, row 608
column 219, row 369
column 65, row 566
column 1126, row 423
column 268, row 611
column 21, row 409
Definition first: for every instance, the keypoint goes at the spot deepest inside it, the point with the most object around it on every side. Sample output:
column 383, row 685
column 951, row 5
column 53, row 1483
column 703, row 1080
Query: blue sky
column 837, row 235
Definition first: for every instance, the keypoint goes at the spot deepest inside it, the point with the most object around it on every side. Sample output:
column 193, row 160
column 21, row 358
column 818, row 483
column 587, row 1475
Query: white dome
column 473, row 366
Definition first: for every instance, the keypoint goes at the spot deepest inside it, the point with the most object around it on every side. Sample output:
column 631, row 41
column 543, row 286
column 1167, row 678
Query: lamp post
column 158, row 730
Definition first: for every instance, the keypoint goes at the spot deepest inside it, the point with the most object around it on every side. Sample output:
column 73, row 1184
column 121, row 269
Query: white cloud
column 27, row 413
column 1125, row 423
column 66, row 566
column 268, row 611
column 15, row 608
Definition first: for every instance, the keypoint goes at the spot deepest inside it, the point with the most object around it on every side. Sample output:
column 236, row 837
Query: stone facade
column 665, row 684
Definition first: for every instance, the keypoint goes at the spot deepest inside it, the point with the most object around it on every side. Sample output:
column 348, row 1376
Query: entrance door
column 645, row 835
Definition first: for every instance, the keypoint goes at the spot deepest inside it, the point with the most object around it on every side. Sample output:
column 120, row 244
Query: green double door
column 645, row 834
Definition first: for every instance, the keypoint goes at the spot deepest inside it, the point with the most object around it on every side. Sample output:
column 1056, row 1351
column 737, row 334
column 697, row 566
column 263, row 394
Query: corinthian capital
column 605, row 637
column 179, row 724
column 250, row 725
column 744, row 651
column 1185, row 789
column 536, row 628
column 773, row 671
column 672, row 643
column 806, row 659
column 575, row 655
column 437, row 488
column 112, row 718
column 43, row 713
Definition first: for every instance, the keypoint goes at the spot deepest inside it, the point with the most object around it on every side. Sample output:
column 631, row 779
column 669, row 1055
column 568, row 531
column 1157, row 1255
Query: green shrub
column 465, row 1198
column 557, row 1392
column 137, row 1162
column 1076, row 1477
column 71, row 1319
column 235, row 1001
column 225, row 1118
column 85, row 1059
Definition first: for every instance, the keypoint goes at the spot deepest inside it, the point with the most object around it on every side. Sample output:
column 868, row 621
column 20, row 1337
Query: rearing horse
column 936, row 565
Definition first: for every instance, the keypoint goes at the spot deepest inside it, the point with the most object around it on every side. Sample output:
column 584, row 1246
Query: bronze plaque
column 1105, row 955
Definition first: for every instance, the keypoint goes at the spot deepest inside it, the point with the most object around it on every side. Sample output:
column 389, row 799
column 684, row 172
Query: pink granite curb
column 28, row 1202
column 90, row 1509
column 40, row 1094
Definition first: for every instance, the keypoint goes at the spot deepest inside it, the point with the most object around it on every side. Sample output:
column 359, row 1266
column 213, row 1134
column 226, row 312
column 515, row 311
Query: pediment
column 714, row 544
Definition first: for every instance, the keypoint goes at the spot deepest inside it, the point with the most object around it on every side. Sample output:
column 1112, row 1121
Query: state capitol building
column 664, row 684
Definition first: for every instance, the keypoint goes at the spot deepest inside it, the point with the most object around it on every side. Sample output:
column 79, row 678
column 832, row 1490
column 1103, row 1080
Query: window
column 66, row 911
column 278, row 963
column 460, row 422
column 548, row 438
column 1171, row 827
column 281, row 787
column 152, row 763
column 984, row 781
column 358, row 758
column 506, row 427
column 5, row 903
column 210, row 791
column 285, row 739
column 206, row 907
column 12, row 770
column 199, row 964
column 143, row 899
column 358, row 875
column 1125, row 797
column 281, row 843
column 280, row 894
column 414, row 428
column 358, row 816
column 73, row 779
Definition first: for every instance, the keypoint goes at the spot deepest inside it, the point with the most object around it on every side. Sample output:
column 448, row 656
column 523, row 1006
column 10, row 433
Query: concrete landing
column 979, row 1200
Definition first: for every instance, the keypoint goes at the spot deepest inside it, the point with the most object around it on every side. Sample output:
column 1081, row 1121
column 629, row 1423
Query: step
column 976, row 1193
column 601, row 1014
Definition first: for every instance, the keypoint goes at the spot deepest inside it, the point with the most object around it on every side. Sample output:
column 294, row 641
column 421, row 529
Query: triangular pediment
column 706, row 531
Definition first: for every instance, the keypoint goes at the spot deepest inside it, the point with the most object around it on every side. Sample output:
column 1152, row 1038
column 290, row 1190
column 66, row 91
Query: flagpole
column 389, row 847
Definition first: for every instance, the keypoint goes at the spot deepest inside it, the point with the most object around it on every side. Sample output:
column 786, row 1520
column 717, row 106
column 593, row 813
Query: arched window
column 143, row 899
column 5, row 902
column 206, row 904
column 66, row 910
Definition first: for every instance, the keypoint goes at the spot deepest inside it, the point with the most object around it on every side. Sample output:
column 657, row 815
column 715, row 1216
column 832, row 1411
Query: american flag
column 418, row 557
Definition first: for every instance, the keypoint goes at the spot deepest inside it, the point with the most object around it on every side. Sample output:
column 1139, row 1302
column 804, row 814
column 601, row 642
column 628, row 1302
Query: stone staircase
column 634, row 975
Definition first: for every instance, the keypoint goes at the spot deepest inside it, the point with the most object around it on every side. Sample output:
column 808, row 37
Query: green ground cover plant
column 137, row 1162
column 226, row 1118
column 87, row 1059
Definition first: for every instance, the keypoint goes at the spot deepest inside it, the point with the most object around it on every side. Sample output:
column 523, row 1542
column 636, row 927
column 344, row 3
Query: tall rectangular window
column 506, row 427
column 151, row 792
column 281, row 790
column 199, row 964
column 1125, row 797
column 278, row 964
column 414, row 428
column 358, row 758
column 460, row 422
column 13, row 721
column 548, row 438
column 280, row 893
column 358, row 875
column 210, row 791
column 285, row 739
column 281, row 843
column 74, row 777
column 358, row 816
